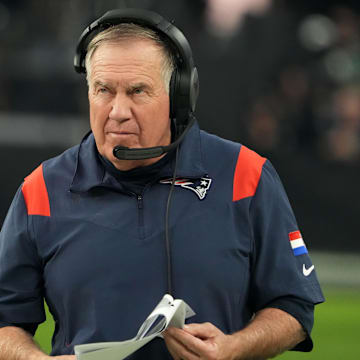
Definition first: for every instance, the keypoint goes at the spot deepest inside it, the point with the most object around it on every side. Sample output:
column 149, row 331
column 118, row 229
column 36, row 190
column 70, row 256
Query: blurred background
column 280, row 76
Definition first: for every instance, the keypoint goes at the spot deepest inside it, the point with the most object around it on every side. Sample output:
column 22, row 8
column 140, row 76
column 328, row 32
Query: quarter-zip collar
column 135, row 180
column 90, row 172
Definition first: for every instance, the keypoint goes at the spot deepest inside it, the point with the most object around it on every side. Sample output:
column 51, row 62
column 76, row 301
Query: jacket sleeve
column 280, row 256
column 21, row 282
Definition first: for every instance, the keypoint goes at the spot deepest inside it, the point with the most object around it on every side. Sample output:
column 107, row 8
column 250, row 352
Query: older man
column 91, row 230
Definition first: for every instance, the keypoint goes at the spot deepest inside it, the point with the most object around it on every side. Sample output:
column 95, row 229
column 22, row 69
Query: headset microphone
column 125, row 153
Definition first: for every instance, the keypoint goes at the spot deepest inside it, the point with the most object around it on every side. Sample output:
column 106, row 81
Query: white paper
column 168, row 312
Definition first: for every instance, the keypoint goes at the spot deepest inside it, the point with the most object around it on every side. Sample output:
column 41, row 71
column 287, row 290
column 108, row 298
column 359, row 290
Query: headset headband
column 152, row 20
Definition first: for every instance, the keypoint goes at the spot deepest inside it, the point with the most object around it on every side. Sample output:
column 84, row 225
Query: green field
column 336, row 332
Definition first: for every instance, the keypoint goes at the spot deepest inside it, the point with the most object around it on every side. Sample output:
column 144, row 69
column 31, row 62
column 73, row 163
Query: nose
column 120, row 108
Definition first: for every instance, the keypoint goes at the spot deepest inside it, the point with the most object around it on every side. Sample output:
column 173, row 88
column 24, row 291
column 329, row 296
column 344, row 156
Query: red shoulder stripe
column 35, row 193
column 247, row 173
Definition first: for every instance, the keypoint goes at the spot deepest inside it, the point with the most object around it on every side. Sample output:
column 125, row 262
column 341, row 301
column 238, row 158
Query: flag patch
column 297, row 243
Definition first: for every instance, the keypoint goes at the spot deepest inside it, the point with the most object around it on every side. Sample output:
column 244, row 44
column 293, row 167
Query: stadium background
column 280, row 76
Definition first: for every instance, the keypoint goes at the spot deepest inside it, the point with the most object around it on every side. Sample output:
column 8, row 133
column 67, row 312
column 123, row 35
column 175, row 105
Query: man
column 91, row 230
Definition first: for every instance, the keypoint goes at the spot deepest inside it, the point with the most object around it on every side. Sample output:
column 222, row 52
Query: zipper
column 140, row 204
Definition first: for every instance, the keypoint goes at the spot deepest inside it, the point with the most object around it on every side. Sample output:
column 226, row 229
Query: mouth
column 120, row 133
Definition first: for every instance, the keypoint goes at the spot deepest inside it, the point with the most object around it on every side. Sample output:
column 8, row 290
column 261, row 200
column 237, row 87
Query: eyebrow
column 100, row 83
column 139, row 85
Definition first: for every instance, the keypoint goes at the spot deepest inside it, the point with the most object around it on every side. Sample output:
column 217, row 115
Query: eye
column 138, row 91
column 102, row 90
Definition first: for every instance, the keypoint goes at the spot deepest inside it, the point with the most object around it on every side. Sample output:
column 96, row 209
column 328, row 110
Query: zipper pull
column 140, row 201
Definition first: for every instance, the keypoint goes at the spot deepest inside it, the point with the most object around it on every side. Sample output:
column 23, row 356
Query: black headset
column 184, row 83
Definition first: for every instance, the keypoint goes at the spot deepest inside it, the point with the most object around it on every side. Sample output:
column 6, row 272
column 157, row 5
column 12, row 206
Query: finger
column 177, row 349
column 194, row 344
column 171, row 349
column 202, row 331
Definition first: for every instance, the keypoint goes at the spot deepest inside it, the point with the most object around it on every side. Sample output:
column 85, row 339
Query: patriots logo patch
column 198, row 186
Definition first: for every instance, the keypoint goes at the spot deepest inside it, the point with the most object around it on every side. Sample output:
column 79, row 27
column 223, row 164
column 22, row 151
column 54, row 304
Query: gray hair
column 127, row 31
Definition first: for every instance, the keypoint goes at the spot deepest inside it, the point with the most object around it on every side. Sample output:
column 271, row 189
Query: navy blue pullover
column 76, row 236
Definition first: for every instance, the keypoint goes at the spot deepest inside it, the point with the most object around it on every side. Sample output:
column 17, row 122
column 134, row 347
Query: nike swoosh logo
column 308, row 271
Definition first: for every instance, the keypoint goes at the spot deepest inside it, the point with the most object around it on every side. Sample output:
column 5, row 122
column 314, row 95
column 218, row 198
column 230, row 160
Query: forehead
column 128, row 54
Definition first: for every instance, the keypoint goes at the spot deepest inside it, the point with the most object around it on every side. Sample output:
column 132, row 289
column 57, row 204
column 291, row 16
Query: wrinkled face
column 129, row 105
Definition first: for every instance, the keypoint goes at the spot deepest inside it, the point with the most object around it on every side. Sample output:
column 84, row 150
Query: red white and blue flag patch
column 297, row 243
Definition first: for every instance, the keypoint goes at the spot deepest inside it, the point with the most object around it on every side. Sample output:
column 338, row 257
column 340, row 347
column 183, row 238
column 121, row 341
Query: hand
column 199, row 341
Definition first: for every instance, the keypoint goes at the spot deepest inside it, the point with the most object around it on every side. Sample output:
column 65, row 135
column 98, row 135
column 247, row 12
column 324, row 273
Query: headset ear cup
column 194, row 89
column 172, row 93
